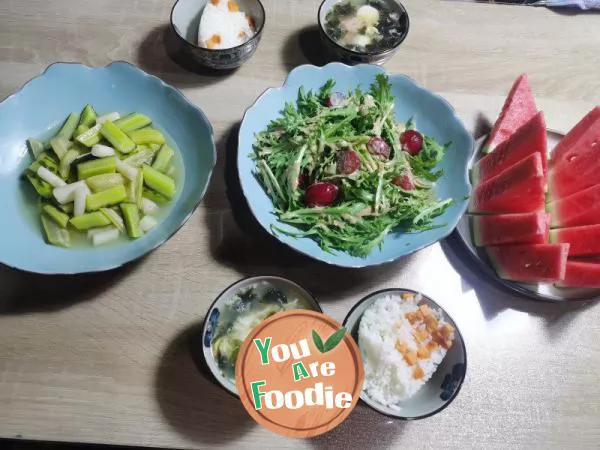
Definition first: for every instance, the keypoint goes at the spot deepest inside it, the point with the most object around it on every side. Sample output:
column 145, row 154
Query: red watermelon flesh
column 582, row 274
column 585, row 240
column 519, row 107
column 529, row 228
column 528, row 139
column 581, row 208
column 578, row 165
column 518, row 189
column 573, row 138
column 530, row 263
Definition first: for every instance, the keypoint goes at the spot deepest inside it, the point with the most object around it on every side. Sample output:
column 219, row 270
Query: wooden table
column 106, row 358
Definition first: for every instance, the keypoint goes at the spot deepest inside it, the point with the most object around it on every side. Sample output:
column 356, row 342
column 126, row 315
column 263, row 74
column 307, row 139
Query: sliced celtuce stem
column 104, row 237
column 102, row 151
column 117, row 138
column 126, row 170
column 143, row 155
column 55, row 235
column 92, row 220
column 132, row 219
column 109, row 197
column 96, row 167
column 139, row 189
column 66, row 194
column 80, row 130
column 65, row 164
column 43, row 189
column 80, row 202
column 60, row 146
column 91, row 137
column 163, row 158
column 110, row 117
column 133, row 121
column 36, row 147
column 106, row 181
column 88, row 116
column 93, row 231
column 59, row 217
column 50, row 178
column 170, row 172
column 154, row 196
column 66, row 208
column 147, row 223
column 114, row 218
column 148, row 207
column 69, row 126
column 159, row 182
column 147, row 136
column 46, row 160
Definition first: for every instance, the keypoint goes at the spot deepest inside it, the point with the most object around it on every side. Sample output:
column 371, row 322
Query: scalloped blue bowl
column 39, row 107
column 434, row 116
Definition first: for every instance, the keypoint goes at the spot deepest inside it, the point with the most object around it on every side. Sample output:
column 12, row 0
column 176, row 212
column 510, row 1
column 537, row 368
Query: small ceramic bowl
column 185, row 20
column 343, row 54
column 211, row 319
column 442, row 388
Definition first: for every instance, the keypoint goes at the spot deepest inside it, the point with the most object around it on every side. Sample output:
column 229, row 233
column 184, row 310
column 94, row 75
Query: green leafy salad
column 342, row 171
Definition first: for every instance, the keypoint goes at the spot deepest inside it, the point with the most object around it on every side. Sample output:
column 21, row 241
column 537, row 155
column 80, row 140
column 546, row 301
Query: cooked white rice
column 221, row 27
column 389, row 379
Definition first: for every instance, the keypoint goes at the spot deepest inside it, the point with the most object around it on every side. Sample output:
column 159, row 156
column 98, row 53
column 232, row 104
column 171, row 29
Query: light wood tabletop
column 106, row 358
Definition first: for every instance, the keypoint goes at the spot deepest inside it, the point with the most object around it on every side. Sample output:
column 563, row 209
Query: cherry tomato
column 412, row 141
column 321, row 194
column 335, row 99
column 404, row 182
column 348, row 162
column 302, row 179
column 378, row 146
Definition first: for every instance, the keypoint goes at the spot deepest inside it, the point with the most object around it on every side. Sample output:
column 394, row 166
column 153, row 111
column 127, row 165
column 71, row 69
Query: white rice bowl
column 221, row 28
column 389, row 378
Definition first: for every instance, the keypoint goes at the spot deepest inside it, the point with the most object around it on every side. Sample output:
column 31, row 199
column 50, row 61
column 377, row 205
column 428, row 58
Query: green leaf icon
column 334, row 340
column 331, row 343
column 318, row 341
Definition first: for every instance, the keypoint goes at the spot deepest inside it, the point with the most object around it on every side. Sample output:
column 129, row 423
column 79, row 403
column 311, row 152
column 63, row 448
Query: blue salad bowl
column 38, row 109
column 434, row 117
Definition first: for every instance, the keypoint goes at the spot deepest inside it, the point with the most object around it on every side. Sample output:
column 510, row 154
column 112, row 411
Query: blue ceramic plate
column 40, row 106
column 434, row 116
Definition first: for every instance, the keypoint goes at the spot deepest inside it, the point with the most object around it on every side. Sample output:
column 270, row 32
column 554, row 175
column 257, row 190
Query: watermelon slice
column 582, row 274
column 518, row 189
column 528, row 139
column 529, row 228
column 573, row 138
column 582, row 208
column 530, row 263
column 576, row 163
column 585, row 241
column 518, row 109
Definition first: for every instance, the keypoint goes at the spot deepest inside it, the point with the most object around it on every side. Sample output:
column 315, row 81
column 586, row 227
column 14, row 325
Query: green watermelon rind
column 476, row 230
column 475, row 178
column 496, row 264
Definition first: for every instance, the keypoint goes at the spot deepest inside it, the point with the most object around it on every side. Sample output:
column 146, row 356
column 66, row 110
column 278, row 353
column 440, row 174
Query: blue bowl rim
column 256, row 36
column 256, row 278
column 451, row 225
column 354, row 52
column 185, row 219
column 448, row 316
